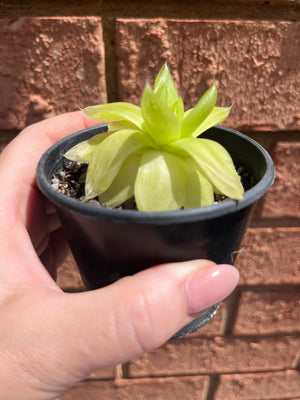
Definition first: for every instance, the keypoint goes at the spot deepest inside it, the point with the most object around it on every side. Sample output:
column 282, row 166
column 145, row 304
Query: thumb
column 139, row 313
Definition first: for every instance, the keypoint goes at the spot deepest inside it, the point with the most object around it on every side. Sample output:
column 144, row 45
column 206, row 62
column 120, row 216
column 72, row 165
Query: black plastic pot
column 108, row 244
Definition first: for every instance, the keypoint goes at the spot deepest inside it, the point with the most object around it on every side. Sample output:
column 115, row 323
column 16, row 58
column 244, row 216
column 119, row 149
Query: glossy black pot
column 108, row 244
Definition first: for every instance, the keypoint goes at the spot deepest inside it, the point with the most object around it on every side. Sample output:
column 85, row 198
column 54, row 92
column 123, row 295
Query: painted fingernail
column 208, row 286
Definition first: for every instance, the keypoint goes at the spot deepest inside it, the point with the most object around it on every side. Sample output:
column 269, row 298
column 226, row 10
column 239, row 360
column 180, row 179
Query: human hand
column 49, row 340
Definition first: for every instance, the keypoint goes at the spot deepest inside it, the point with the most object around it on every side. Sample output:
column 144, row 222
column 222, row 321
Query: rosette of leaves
column 154, row 152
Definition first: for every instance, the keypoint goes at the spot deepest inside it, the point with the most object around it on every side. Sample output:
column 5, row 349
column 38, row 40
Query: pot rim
column 151, row 217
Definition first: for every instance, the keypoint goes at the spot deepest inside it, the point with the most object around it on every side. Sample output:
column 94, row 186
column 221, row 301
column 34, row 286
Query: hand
column 49, row 340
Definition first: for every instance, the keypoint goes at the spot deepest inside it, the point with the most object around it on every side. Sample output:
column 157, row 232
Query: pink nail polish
column 209, row 286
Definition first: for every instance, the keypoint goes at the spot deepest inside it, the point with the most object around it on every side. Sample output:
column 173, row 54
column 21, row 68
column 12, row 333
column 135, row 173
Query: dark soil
column 71, row 178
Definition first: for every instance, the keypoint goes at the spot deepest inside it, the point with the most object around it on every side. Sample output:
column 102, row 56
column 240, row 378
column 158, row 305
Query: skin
column 50, row 340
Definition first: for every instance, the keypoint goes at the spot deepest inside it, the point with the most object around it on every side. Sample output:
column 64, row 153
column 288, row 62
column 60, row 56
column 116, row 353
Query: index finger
column 24, row 152
column 21, row 205
column 19, row 159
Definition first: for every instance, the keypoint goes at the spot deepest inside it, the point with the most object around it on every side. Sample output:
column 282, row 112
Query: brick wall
column 58, row 56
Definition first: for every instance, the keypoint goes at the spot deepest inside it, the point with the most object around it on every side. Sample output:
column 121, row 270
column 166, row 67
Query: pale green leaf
column 82, row 152
column 197, row 115
column 108, row 158
column 199, row 191
column 161, row 123
column 116, row 112
column 122, row 187
column 120, row 125
column 215, row 164
column 217, row 115
column 178, row 109
column 164, row 87
column 186, row 114
column 161, row 182
column 216, row 191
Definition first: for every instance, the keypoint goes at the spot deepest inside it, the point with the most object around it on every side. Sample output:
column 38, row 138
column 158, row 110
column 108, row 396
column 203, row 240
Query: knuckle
column 142, row 321
column 133, row 325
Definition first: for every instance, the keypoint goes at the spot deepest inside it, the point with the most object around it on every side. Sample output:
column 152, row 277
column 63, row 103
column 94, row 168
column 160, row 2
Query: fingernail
column 209, row 286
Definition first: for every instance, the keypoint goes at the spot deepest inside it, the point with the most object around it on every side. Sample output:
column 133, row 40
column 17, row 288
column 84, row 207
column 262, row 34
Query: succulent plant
column 155, row 154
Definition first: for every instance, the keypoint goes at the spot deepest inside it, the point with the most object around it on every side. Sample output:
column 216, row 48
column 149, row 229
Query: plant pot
column 108, row 244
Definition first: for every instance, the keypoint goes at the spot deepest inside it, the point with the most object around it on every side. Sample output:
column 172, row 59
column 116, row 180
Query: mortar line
column 111, row 64
column 164, row 9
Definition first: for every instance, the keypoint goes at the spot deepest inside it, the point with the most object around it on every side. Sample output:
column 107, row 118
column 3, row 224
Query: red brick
column 261, row 386
column 68, row 276
column 282, row 200
column 270, row 256
column 49, row 66
column 104, row 374
column 255, row 65
column 270, row 312
column 141, row 389
column 218, row 355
